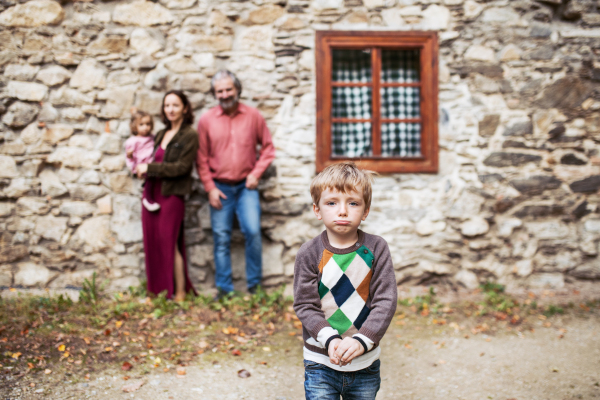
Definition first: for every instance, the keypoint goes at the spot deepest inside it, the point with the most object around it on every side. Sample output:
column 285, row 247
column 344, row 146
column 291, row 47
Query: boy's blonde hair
column 344, row 177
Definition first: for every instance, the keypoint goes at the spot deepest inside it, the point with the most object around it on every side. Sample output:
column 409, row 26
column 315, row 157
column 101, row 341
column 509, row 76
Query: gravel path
column 419, row 362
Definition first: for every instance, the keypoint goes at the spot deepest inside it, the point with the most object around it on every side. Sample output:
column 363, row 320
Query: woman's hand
column 141, row 170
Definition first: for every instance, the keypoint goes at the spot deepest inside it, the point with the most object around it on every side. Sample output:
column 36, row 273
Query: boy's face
column 341, row 213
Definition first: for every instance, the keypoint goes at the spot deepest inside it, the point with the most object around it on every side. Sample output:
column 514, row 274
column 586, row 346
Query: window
column 377, row 100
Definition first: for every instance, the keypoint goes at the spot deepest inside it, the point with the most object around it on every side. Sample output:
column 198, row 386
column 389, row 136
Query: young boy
column 345, row 290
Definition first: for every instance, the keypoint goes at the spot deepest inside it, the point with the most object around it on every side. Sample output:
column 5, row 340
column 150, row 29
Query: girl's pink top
column 143, row 147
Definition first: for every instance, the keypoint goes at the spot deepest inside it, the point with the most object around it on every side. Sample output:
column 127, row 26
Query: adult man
column 229, row 169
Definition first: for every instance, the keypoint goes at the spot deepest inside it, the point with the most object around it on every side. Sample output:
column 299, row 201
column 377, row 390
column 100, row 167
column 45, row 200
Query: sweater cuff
column 314, row 333
column 329, row 341
column 371, row 335
column 325, row 334
column 365, row 341
column 153, row 169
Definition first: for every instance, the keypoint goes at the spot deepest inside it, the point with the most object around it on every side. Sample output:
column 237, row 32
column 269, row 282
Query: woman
column 174, row 153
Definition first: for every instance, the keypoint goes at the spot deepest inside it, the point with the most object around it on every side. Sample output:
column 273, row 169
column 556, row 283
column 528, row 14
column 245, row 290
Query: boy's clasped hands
column 342, row 352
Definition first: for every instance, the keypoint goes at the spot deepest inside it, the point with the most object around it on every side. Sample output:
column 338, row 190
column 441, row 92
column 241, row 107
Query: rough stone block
column 536, row 184
column 31, row 275
column 50, row 227
column 587, row 185
column 502, row 159
column 20, row 114
column 33, row 14
column 27, row 206
column 8, row 167
column 142, row 13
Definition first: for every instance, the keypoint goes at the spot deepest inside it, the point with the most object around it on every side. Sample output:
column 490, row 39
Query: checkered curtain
column 354, row 139
column 400, row 66
column 351, row 139
column 351, row 66
column 401, row 139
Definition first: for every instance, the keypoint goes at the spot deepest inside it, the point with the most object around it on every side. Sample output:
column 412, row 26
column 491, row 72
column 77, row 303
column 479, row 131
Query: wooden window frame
column 427, row 43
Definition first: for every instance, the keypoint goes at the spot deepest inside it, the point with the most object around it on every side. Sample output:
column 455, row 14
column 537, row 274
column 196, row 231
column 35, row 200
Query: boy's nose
column 343, row 210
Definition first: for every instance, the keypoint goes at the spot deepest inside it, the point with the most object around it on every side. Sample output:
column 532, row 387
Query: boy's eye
column 353, row 203
column 330, row 203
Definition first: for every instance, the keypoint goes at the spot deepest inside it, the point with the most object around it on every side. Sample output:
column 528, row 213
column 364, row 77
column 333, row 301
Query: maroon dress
column 163, row 230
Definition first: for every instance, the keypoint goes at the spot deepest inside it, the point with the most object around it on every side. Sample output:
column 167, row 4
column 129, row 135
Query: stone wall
column 515, row 199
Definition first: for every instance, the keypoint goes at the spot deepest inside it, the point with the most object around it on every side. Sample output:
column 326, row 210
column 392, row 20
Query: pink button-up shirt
column 228, row 145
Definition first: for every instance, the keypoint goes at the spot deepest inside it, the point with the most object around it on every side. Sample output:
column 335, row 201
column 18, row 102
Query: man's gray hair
column 225, row 73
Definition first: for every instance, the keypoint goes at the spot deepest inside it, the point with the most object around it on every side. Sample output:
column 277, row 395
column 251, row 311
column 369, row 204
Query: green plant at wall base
column 495, row 299
column 421, row 303
column 552, row 310
column 90, row 292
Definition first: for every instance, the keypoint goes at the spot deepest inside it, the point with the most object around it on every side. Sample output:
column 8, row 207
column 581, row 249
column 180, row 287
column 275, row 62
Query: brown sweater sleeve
column 382, row 290
column 184, row 163
column 307, row 303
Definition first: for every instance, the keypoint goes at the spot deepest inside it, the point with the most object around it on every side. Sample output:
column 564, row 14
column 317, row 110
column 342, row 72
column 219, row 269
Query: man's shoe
column 253, row 289
column 221, row 294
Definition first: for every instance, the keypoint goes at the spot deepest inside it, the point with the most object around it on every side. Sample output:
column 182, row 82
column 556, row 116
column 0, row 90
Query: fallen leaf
column 107, row 332
column 108, row 349
column 266, row 349
column 236, row 352
column 16, row 355
column 408, row 346
column 30, row 365
column 126, row 377
column 132, row 386
column 126, row 366
column 262, row 362
column 181, row 371
column 442, row 362
column 86, row 340
column 242, row 373
column 61, row 347
column 47, row 371
column 118, row 324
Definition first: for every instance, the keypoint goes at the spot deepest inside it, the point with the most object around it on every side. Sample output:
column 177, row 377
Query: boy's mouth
column 341, row 222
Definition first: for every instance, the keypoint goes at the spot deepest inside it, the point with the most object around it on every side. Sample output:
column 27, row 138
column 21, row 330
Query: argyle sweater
column 352, row 290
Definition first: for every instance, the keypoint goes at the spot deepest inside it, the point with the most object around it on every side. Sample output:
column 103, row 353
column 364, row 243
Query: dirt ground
column 557, row 358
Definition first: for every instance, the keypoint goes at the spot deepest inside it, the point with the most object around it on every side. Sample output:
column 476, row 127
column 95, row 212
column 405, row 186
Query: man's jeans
column 324, row 383
column 244, row 203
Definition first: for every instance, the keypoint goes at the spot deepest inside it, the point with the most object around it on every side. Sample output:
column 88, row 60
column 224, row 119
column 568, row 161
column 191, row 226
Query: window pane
column 400, row 66
column 351, row 140
column 400, row 102
column 351, row 66
column 401, row 140
column 351, row 102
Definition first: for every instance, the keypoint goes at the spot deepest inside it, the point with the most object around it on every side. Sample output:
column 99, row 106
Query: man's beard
column 229, row 103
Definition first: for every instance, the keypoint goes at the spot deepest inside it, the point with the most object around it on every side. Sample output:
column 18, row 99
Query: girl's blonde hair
column 136, row 115
column 344, row 177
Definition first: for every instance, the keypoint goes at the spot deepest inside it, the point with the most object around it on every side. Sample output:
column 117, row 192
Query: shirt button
column 366, row 251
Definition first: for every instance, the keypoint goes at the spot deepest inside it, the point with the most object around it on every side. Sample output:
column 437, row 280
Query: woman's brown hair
column 136, row 115
column 188, row 115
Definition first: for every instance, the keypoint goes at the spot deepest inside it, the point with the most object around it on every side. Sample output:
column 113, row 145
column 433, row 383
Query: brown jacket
column 175, row 170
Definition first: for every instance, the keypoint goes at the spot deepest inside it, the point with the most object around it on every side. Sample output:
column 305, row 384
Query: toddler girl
column 140, row 150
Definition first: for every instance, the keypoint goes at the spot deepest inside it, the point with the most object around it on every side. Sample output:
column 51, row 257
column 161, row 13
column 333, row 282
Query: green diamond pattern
column 339, row 321
column 344, row 260
column 368, row 257
column 322, row 290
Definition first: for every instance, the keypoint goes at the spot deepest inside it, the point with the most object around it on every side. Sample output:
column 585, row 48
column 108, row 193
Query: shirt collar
column 240, row 109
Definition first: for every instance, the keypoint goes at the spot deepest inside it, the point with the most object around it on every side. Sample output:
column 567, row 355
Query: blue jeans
column 244, row 203
column 324, row 383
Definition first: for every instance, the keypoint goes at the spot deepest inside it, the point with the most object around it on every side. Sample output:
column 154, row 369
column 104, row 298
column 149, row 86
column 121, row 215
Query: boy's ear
column 317, row 211
column 366, row 213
